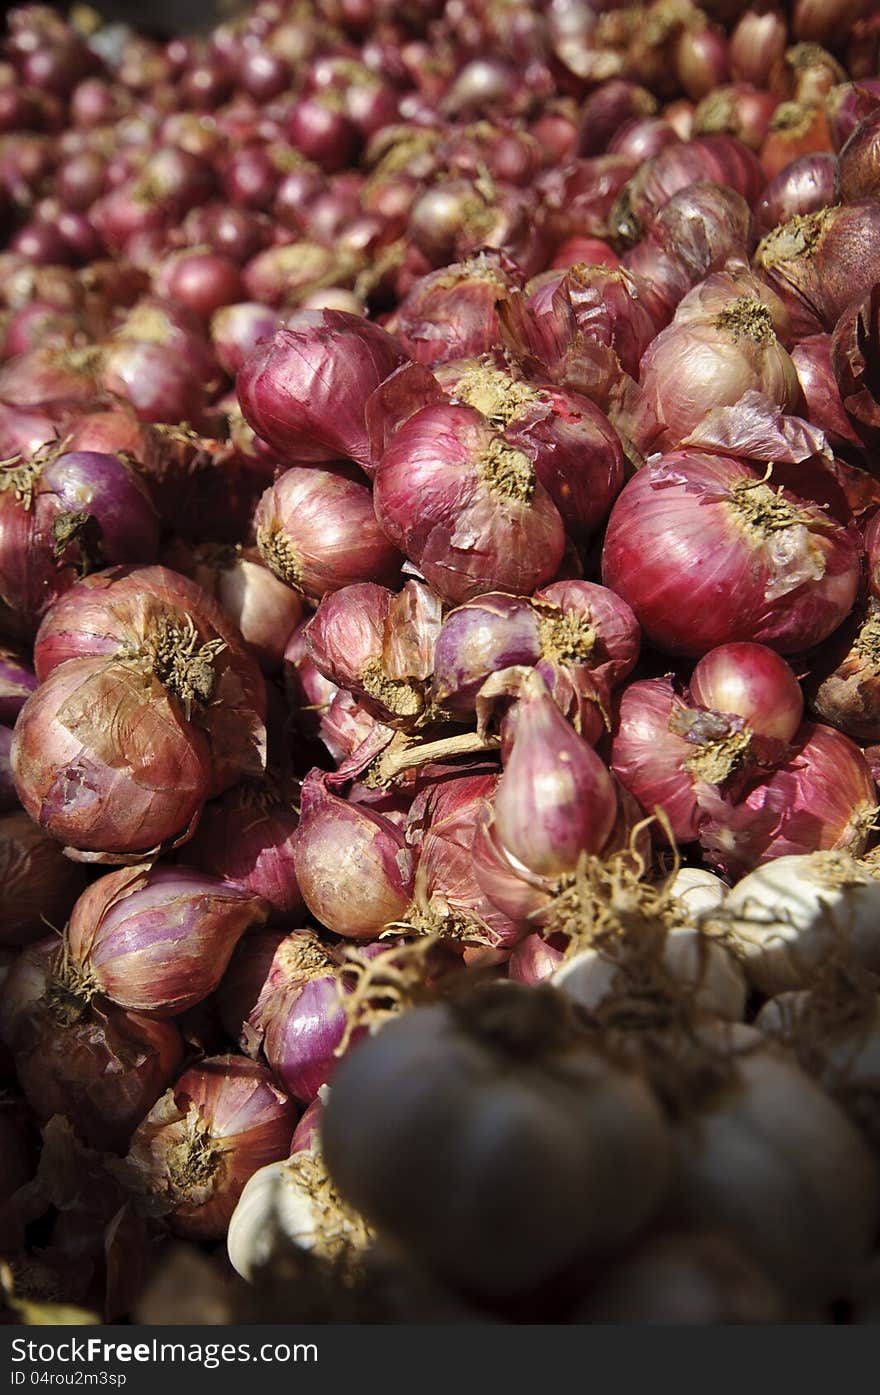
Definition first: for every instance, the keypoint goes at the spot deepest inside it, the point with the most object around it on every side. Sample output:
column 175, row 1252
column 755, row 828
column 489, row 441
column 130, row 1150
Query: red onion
column 316, row 530
column 640, row 139
column 744, row 705
column 660, row 764
column 299, row 1019
column 699, row 230
column 244, row 978
column 849, row 104
column 797, row 129
column 74, row 779
column 854, row 347
column 250, row 179
column 607, row 109
column 236, row 233
column 378, row 646
column 843, row 683
column 588, row 251
column 807, row 74
column 307, row 1134
column 95, row 1063
column 757, row 44
column 776, row 569
column 806, row 185
column 447, row 898
column 50, row 375
column 719, row 159
column 40, row 884
column 306, row 392
column 145, row 375
column 23, row 430
column 820, row 262
column 41, row 244
column 466, row 506
column 823, row 797
column 155, row 939
column 533, row 960
column 263, row 74
column 321, row 709
column 167, row 649
column 860, row 162
column 812, row 358
column 353, row 867
column 37, row 324
column 263, row 609
column 484, row 636
column 819, row 22
column 582, row 639
column 237, row 329
column 753, row 682
column 247, row 837
column 322, row 132
column 556, row 799
column 17, row 682
column 62, row 514
column 578, row 197
column 208, row 1134
column 576, row 454
column 284, row 274
column 702, row 362
column 701, row 59
column 451, row 313
column 200, row 281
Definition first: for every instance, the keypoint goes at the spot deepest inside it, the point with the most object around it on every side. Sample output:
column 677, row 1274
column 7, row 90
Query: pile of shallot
column 440, row 662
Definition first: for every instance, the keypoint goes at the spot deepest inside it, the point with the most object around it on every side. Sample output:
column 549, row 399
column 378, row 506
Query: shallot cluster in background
column 440, row 663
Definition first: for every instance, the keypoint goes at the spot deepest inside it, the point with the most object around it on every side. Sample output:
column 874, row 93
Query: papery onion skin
column 813, row 360
column 62, row 518
column 121, row 611
column 486, row 634
column 860, row 161
column 820, row 262
column 448, row 899
column 220, row 1122
column 753, row 682
column 264, row 609
column 98, row 1065
column 651, row 759
column 246, row 837
column 823, row 798
column 556, row 799
column 299, row 1015
column 576, row 453
column 451, row 313
column 158, row 939
column 317, row 531
column 465, row 507
column 805, row 185
column 87, row 790
column 17, row 682
column 533, row 960
column 353, row 867
column 39, row 883
column 698, row 364
column 681, row 550
column 305, row 392
column 721, row 159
